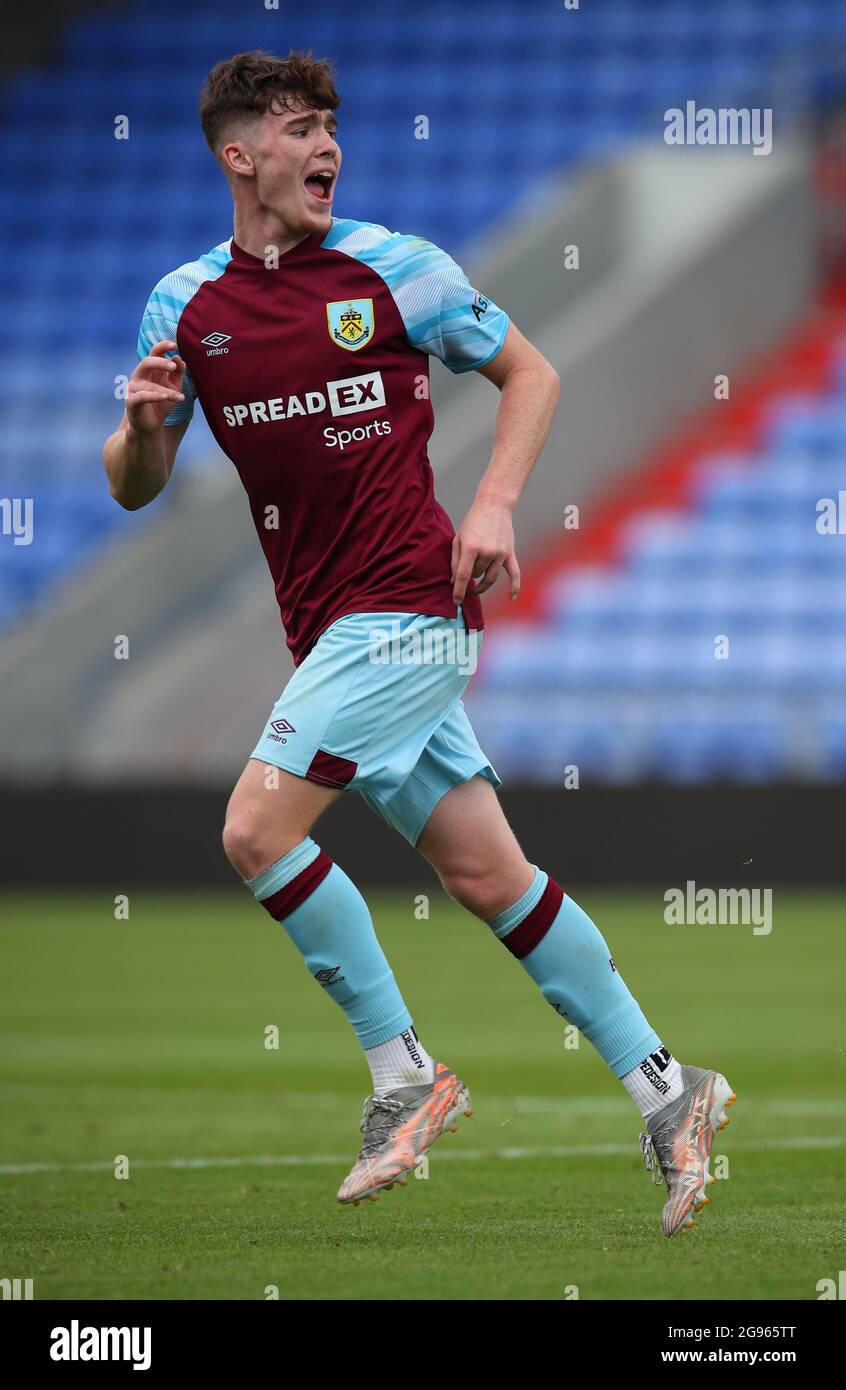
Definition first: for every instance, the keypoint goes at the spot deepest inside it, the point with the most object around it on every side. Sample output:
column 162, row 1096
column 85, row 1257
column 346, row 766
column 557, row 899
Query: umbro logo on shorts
column 280, row 727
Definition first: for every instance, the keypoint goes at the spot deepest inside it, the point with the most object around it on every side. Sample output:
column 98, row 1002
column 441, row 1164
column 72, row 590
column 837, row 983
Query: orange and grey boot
column 399, row 1128
column 678, row 1145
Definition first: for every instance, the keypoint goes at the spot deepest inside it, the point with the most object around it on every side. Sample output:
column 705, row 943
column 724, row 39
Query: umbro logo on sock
column 329, row 976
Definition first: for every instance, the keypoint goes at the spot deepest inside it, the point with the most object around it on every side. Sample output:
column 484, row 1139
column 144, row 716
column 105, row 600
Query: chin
column 316, row 216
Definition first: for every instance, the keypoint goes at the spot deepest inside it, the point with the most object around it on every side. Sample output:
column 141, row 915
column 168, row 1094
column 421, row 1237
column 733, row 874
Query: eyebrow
column 310, row 116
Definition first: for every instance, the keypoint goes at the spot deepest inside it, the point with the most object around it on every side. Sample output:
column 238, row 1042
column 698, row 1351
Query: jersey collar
column 302, row 248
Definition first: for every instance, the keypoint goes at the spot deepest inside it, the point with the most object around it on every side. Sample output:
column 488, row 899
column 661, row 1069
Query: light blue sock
column 566, row 955
column 329, row 923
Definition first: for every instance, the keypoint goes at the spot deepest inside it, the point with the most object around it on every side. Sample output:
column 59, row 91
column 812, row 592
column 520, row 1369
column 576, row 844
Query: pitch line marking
column 464, row 1155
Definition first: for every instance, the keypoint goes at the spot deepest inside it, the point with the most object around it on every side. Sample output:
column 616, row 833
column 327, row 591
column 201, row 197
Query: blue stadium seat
column 737, row 602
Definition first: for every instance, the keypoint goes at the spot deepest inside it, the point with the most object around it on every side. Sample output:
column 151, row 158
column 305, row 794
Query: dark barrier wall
column 719, row 836
column 33, row 33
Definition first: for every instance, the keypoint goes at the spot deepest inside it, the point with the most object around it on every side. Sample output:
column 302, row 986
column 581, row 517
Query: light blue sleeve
column 164, row 309
column 442, row 312
column 161, row 320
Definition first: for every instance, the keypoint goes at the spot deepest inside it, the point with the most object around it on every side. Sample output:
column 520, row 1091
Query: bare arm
column 484, row 544
column 139, row 456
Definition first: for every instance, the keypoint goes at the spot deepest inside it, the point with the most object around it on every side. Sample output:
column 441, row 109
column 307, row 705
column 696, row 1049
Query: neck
column 258, row 229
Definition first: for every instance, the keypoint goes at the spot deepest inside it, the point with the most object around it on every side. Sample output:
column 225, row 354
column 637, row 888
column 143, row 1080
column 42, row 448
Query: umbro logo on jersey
column 280, row 728
column 329, row 976
column 214, row 342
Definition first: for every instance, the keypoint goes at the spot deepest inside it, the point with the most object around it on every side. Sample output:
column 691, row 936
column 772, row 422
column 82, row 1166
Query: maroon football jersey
column 313, row 373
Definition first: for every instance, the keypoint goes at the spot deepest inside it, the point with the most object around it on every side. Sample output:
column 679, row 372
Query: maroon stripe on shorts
column 294, row 894
column 527, row 935
column 330, row 771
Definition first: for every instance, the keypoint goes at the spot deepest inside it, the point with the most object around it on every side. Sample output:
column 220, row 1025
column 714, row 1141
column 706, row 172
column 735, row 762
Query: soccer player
column 305, row 338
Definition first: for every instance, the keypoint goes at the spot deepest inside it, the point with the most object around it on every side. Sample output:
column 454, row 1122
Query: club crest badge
column 350, row 322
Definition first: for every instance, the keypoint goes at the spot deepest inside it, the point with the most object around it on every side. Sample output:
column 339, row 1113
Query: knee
column 479, row 890
column 487, row 888
column 241, row 842
column 250, row 842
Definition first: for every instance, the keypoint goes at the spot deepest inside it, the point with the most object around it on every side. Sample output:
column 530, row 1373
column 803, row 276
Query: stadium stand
column 695, row 630
column 102, row 217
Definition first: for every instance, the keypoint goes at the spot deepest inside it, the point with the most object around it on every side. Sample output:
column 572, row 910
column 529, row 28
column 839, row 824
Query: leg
column 469, row 842
column 266, row 837
column 345, row 721
column 493, row 874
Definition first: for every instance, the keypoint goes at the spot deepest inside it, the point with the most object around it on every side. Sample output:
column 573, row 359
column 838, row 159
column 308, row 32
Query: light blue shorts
column 376, row 707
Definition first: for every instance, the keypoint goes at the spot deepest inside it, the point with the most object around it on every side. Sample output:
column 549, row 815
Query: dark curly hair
column 249, row 84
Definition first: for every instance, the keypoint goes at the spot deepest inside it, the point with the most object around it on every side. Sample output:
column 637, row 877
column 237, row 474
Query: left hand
column 483, row 547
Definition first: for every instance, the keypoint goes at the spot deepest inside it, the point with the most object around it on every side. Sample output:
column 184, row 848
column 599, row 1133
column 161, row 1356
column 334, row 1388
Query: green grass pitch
column 146, row 1038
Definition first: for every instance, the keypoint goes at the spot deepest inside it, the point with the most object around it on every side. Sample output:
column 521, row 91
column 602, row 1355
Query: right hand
column 154, row 388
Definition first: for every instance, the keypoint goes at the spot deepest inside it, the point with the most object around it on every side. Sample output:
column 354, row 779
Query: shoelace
column 651, row 1159
column 377, row 1120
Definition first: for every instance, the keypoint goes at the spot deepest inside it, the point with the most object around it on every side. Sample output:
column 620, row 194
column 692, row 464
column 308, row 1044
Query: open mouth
column 320, row 185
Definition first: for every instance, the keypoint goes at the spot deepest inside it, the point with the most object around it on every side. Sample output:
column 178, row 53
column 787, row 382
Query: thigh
column 276, row 806
column 468, row 833
column 451, row 757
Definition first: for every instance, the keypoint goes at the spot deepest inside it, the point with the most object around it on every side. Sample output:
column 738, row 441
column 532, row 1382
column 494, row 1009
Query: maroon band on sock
column 533, row 928
column 294, row 894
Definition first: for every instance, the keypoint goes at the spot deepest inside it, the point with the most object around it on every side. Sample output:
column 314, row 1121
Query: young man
column 305, row 339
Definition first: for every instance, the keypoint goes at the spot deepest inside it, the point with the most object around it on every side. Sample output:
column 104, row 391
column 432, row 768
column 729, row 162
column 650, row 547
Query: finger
column 463, row 574
column 512, row 569
column 156, row 364
column 456, row 556
column 143, row 384
column 159, row 349
column 153, row 393
column 489, row 577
